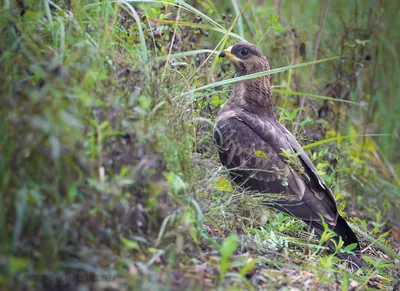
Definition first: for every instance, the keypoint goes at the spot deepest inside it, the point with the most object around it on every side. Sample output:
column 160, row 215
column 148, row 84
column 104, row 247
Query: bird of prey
column 264, row 157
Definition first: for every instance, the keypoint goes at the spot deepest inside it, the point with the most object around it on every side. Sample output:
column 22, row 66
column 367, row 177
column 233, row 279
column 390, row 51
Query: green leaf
column 290, row 115
column 222, row 184
column 261, row 154
column 229, row 245
column 124, row 171
column 214, row 100
column 342, row 205
column 327, row 234
column 175, row 182
column 193, row 234
column 104, row 125
column 248, row 267
column 350, row 247
column 130, row 244
column 72, row 192
column 338, row 245
column 362, row 42
column 145, row 102
column 306, row 121
column 31, row 16
column 17, row 264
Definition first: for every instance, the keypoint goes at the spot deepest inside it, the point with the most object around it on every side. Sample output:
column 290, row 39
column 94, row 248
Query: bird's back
column 264, row 157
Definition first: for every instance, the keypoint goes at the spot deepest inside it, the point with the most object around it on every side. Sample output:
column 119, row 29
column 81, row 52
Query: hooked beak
column 227, row 53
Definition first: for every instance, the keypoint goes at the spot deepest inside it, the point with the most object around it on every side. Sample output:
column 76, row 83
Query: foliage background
column 109, row 178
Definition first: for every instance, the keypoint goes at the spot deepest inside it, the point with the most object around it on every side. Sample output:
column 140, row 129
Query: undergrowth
column 109, row 176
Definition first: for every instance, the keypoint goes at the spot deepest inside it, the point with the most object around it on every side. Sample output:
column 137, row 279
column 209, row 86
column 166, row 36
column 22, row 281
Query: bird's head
column 247, row 58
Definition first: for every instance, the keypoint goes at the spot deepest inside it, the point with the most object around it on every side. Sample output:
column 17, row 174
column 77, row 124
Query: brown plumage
column 251, row 143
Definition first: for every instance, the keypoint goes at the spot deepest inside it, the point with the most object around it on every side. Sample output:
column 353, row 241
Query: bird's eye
column 244, row 52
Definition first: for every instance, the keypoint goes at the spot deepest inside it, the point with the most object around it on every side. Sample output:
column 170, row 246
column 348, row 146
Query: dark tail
column 348, row 236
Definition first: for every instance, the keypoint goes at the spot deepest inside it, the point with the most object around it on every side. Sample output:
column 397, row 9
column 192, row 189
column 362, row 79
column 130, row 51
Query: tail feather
column 348, row 236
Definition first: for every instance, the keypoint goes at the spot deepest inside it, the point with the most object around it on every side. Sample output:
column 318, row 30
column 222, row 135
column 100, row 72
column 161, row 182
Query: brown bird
column 263, row 156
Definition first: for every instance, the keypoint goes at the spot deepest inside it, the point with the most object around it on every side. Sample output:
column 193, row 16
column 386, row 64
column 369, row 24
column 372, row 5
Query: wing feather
column 252, row 148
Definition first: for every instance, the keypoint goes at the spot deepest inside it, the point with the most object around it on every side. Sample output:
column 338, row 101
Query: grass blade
column 199, row 25
column 240, row 20
column 313, row 96
column 21, row 208
column 187, row 53
column 339, row 138
column 372, row 240
column 184, row 6
column 140, row 29
column 257, row 75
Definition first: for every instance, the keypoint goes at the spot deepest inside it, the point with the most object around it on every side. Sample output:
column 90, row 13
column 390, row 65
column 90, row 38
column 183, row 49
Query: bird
column 264, row 157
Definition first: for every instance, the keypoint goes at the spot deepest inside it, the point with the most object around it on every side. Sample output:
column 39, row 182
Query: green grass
column 107, row 163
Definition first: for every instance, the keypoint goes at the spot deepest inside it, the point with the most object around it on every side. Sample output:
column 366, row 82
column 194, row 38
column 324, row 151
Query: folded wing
column 263, row 156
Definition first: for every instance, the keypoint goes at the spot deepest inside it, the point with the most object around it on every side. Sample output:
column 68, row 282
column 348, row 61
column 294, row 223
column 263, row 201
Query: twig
column 315, row 54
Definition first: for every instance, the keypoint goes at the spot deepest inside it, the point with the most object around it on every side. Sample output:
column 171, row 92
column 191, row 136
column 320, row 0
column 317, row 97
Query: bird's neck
column 254, row 95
